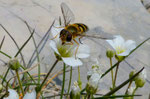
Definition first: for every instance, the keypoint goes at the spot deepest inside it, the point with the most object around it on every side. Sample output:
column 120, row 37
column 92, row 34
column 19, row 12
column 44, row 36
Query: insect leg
column 59, row 27
column 77, row 47
column 80, row 39
column 54, row 37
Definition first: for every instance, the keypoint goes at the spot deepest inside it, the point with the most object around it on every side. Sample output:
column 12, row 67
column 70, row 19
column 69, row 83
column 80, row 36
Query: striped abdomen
column 77, row 28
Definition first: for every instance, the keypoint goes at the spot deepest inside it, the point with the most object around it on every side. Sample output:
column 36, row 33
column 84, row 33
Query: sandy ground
column 128, row 18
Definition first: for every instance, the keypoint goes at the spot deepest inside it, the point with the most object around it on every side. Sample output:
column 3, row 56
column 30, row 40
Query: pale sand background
column 128, row 18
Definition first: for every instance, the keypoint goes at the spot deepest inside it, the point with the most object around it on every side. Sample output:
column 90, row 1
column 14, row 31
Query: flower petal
column 53, row 45
column 111, row 42
column 130, row 45
column 55, row 32
column 31, row 95
column 118, row 41
column 124, row 53
column 71, row 61
column 83, row 51
column 12, row 94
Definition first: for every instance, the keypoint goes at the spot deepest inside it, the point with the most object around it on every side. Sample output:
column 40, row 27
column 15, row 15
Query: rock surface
column 128, row 18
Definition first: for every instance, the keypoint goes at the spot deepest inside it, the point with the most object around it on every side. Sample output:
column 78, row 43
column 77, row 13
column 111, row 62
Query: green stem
column 63, row 85
column 40, row 87
column 134, row 90
column 128, row 86
column 79, row 79
column 5, row 54
column 111, row 71
column 20, row 84
column 114, row 84
column 5, row 75
column 70, row 81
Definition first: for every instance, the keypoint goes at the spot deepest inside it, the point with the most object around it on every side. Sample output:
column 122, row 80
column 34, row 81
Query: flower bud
column 131, row 74
column 139, row 82
column 141, row 79
column 109, row 53
column 14, row 64
column 90, row 89
column 75, row 92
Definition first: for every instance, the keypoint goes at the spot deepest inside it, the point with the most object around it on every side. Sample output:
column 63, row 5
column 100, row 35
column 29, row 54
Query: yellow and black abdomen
column 81, row 27
column 77, row 28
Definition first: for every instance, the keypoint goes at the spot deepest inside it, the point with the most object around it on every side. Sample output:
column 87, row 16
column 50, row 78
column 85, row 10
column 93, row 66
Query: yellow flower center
column 65, row 50
column 120, row 49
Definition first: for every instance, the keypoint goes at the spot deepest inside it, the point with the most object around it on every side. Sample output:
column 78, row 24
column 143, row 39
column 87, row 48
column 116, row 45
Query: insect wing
column 67, row 14
column 97, row 33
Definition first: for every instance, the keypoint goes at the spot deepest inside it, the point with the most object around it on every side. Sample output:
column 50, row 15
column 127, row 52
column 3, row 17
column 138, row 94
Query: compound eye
column 62, row 32
column 69, row 37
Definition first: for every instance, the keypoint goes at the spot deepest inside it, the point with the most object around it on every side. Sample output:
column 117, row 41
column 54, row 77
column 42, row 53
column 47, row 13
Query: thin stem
column 37, row 54
column 70, row 81
column 134, row 90
column 5, row 54
column 128, row 87
column 20, row 84
column 5, row 75
column 88, row 96
column 79, row 79
column 111, row 71
column 2, row 42
column 114, row 83
column 48, row 74
column 63, row 85
column 24, row 44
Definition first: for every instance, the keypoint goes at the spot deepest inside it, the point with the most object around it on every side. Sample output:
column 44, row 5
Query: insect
column 70, row 32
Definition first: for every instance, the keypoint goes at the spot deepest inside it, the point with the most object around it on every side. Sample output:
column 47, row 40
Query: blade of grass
column 45, row 37
column 28, row 74
column 14, row 43
column 123, row 84
column 2, row 42
column 37, row 54
column 5, row 54
column 124, row 58
column 24, row 44
column 117, row 96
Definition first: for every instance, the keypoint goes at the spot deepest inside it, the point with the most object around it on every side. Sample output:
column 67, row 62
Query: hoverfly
column 75, row 30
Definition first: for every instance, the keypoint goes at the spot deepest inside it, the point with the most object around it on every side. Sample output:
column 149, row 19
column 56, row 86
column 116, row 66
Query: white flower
column 94, row 80
column 31, row 95
column 67, row 52
column 121, row 47
column 95, row 69
column 14, row 95
column 75, row 88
